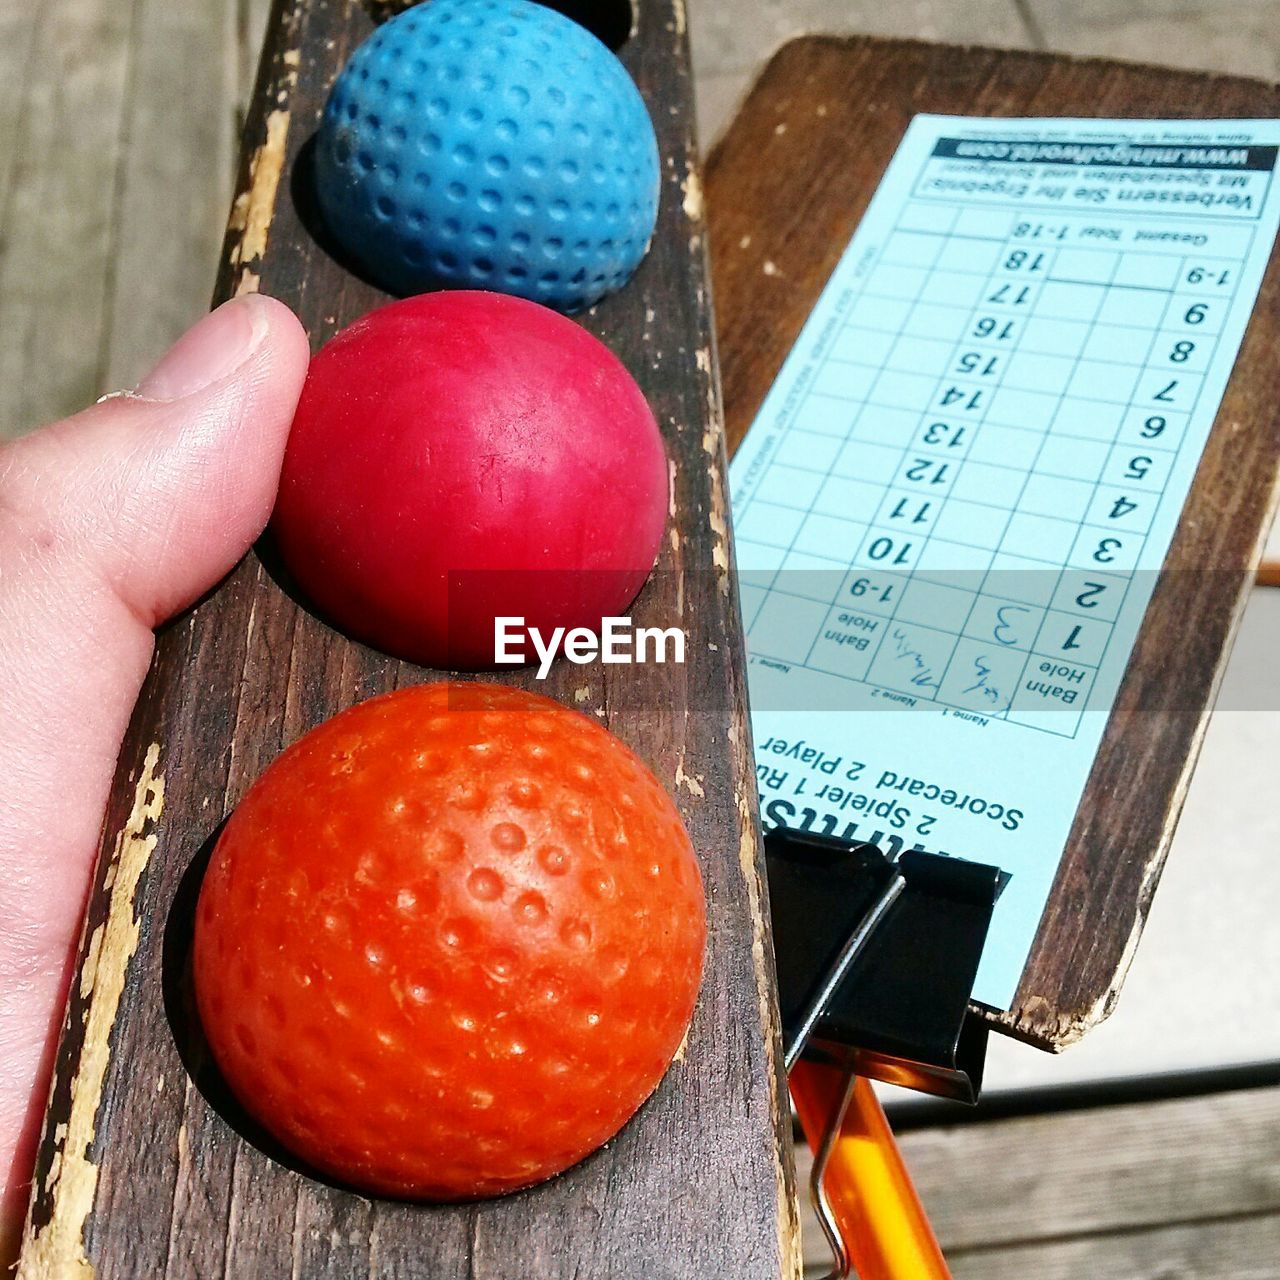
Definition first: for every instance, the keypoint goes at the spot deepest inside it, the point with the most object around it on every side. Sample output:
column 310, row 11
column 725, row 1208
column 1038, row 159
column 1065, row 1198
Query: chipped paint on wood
column 693, row 206
column 713, row 447
column 692, row 782
column 678, row 1056
column 253, row 209
column 55, row 1250
column 239, row 217
column 712, row 441
column 716, row 519
column 789, row 1248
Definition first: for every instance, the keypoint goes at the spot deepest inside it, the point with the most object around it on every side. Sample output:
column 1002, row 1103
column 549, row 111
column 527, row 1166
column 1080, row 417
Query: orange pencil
column 872, row 1199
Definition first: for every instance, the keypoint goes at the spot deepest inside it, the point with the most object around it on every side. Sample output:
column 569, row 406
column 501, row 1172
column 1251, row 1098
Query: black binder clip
column 877, row 958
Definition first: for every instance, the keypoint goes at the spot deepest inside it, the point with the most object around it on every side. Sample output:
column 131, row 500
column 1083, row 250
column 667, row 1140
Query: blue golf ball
column 491, row 144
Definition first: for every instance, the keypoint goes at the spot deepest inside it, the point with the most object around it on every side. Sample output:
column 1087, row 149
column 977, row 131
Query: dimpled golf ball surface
column 449, row 941
column 493, row 144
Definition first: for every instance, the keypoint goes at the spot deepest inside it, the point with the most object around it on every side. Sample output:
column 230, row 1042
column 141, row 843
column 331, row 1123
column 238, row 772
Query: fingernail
column 215, row 347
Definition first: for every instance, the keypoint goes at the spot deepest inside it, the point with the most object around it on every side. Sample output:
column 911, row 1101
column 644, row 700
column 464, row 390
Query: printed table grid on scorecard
column 1066, row 350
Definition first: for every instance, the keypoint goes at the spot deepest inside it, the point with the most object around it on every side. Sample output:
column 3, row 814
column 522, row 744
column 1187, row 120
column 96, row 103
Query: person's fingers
column 110, row 521
column 159, row 490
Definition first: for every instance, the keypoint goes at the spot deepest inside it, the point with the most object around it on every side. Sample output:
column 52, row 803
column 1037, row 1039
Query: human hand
column 111, row 521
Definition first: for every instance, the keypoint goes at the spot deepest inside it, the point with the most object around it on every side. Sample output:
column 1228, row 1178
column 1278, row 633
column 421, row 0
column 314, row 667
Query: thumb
column 159, row 491
column 109, row 522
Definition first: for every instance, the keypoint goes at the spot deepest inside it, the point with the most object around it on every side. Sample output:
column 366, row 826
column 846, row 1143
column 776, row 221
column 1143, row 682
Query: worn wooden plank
column 1050, row 1176
column 57, row 220
column 786, row 188
column 735, row 36
column 119, row 133
column 19, row 30
column 252, row 17
column 1237, row 37
column 731, row 41
column 1024, row 1186
column 140, row 1174
column 1230, row 1249
column 174, row 179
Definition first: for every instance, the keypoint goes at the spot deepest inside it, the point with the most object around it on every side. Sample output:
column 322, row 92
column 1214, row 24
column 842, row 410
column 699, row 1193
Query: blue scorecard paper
column 953, row 504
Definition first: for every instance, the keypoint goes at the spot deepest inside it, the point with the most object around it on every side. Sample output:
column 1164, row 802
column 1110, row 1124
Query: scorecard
column 991, row 526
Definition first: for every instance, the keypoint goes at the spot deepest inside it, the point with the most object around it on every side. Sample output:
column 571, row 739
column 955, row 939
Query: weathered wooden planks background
column 119, row 132
column 1185, row 1189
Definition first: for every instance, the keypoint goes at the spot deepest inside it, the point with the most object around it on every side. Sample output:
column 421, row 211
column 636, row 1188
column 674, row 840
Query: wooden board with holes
column 785, row 190
column 139, row 1174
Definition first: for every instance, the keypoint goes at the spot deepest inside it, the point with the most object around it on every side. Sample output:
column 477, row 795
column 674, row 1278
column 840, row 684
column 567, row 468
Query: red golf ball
column 461, row 456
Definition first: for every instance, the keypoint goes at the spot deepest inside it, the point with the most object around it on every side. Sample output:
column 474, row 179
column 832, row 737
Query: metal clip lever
column 863, row 1195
